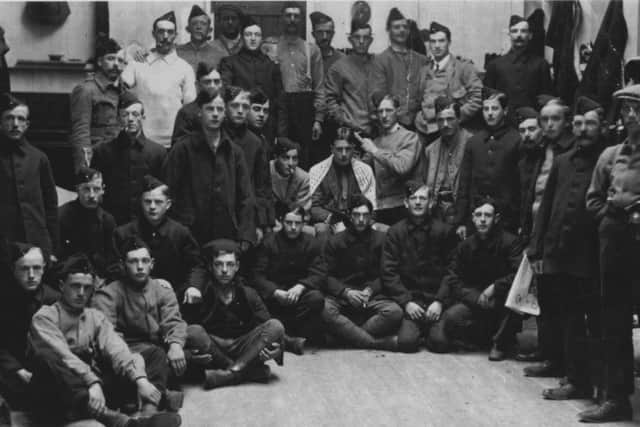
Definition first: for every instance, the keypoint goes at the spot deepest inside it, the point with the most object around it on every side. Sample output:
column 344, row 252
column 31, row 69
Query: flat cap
column 631, row 92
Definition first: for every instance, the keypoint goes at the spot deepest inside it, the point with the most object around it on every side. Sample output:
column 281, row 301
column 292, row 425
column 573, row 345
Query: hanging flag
column 565, row 19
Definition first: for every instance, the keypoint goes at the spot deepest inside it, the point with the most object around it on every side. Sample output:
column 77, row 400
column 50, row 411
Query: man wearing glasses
column 125, row 160
column 347, row 83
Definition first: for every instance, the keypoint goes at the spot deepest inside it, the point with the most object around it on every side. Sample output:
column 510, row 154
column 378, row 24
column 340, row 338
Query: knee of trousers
column 314, row 301
column 392, row 312
column 156, row 365
column 436, row 340
column 274, row 329
column 197, row 338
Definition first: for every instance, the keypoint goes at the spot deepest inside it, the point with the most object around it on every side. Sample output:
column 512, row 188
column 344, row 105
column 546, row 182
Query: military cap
column 394, row 15
column 169, row 16
column 9, row 102
column 150, row 183
column 319, row 18
column 436, row 27
column 585, row 104
column 631, row 92
column 229, row 8
column 413, row 185
column 127, row 99
column 85, row 174
column 516, row 19
column 197, row 11
column 525, row 113
column 106, row 46
column 544, row 99
column 17, row 250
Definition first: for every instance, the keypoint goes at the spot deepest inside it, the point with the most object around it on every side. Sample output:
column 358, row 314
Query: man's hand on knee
column 414, row 311
column 147, row 392
column 97, row 402
column 434, row 311
column 272, row 351
column 176, row 359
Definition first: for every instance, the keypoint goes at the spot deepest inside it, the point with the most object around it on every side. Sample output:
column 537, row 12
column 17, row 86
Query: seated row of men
column 354, row 291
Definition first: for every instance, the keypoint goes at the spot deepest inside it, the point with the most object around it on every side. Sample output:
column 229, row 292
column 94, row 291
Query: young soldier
column 355, row 311
column 145, row 312
column 232, row 324
column 82, row 367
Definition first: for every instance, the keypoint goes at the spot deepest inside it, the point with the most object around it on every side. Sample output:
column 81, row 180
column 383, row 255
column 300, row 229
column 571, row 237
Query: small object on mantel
column 55, row 56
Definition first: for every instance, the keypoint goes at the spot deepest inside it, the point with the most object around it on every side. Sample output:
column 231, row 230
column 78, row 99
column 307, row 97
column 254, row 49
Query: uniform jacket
column 291, row 191
column 255, row 154
column 94, row 115
column 245, row 312
column 187, row 121
column 80, row 340
column 440, row 168
column 521, row 76
column 459, row 80
column 397, row 155
column 209, row 53
column 28, row 197
column 530, row 164
column 565, row 235
column 253, row 69
column 398, row 74
column 281, row 263
column 174, row 250
column 89, row 231
column 17, row 307
column 414, row 260
column 123, row 165
column 478, row 263
column 147, row 314
column 490, row 167
column 348, row 92
column 352, row 260
column 198, row 172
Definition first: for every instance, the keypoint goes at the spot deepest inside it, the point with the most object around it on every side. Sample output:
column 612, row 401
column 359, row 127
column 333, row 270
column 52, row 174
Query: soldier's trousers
column 361, row 327
column 618, row 265
column 62, row 394
column 475, row 326
column 243, row 350
column 300, row 319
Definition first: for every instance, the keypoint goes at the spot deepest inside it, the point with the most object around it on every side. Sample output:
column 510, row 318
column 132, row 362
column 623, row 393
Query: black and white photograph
column 319, row 213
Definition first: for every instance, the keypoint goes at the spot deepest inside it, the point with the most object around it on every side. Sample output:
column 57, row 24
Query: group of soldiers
column 211, row 233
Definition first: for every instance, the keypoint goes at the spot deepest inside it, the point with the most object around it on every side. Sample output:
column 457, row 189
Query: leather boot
column 567, row 391
column 545, row 369
column 294, row 345
column 215, row 378
column 161, row 419
column 260, row 373
column 534, row 356
column 609, row 411
column 111, row 418
column 389, row 343
column 172, row 400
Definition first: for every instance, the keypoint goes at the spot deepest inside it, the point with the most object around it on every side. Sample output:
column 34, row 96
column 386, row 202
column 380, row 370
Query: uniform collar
column 413, row 225
column 146, row 227
column 104, row 83
column 440, row 65
column 138, row 142
column 97, row 212
column 170, row 58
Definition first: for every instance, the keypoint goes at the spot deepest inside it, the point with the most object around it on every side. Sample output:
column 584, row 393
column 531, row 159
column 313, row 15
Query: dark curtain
column 536, row 24
column 565, row 19
column 102, row 19
column 603, row 74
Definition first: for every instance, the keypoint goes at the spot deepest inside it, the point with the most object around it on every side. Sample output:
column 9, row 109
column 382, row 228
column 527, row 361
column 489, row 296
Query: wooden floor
column 371, row 388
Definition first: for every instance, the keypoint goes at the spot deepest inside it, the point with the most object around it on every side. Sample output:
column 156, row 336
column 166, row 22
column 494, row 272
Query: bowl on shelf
column 55, row 56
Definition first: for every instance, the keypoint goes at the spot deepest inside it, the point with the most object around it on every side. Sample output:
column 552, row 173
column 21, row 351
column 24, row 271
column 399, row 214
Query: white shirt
column 163, row 83
column 443, row 62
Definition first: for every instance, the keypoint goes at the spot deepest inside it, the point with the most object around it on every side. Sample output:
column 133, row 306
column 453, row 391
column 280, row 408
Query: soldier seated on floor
column 22, row 294
column 480, row 275
column 414, row 261
column 355, row 311
column 82, row 367
column 286, row 275
column 145, row 312
column 232, row 324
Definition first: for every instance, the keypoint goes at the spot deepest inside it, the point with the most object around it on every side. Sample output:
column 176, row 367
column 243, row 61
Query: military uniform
column 71, row 349
column 94, row 116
